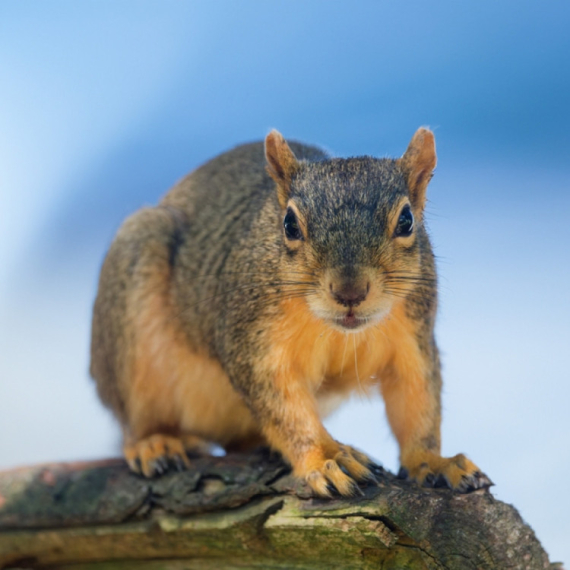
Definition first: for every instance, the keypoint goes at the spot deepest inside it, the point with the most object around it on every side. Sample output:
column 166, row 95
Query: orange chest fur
column 327, row 359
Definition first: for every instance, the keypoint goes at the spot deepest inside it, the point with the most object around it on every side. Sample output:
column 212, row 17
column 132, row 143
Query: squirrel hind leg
column 159, row 453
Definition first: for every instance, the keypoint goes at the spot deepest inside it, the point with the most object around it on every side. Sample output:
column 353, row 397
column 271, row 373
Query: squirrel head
column 352, row 229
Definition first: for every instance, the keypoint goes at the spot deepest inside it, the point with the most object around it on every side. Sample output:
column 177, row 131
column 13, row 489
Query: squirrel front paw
column 431, row 470
column 336, row 471
column 158, row 453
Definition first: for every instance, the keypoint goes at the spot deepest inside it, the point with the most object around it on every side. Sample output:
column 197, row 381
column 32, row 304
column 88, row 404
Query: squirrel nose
column 349, row 295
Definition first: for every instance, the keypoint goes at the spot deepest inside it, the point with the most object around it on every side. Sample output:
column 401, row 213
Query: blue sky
column 104, row 105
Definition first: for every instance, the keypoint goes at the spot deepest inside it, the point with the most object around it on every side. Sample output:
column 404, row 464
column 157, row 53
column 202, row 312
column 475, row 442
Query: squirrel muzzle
column 351, row 300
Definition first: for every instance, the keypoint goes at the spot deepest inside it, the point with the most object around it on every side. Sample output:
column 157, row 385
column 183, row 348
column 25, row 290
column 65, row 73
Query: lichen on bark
column 247, row 511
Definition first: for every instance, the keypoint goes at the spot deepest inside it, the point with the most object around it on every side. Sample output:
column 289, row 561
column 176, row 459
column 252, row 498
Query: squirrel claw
column 356, row 464
column 320, row 486
column 156, row 455
column 483, row 480
column 356, row 491
column 154, row 468
column 429, row 480
column 332, row 490
column 455, row 473
column 178, row 463
column 442, row 482
column 341, row 474
column 370, row 478
column 353, row 490
column 135, row 465
column 474, row 482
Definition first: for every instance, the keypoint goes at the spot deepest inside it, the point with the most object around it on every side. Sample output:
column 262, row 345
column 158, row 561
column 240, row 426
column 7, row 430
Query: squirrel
column 262, row 290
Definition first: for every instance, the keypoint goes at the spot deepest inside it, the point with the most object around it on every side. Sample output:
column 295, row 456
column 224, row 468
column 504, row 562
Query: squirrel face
column 351, row 229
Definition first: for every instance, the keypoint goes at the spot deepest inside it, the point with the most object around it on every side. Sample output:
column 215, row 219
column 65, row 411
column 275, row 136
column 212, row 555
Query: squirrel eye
column 291, row 225
column 405, row 225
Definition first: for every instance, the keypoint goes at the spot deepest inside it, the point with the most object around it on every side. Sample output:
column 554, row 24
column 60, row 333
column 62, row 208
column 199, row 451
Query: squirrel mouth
column 350, row 320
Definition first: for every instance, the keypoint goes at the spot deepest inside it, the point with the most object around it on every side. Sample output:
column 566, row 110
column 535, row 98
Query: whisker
column 241, row 287
column 378, row 327
column 275, row 298
column 396, row 294
column 302, row 286
column 409, row 275
column 356, row 365
column 409, row 278
column 344, row 353
column 405, row 292
column 367, row 320
column 402, row 272
column 262, row 273
column 372, row 331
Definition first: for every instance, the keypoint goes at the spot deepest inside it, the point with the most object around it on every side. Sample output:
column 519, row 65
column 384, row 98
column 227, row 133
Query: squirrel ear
column 418, row 163
column 281, row 164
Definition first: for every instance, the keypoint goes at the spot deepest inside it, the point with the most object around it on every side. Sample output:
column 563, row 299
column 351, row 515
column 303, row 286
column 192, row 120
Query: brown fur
column 166, row 375
column 213, row 325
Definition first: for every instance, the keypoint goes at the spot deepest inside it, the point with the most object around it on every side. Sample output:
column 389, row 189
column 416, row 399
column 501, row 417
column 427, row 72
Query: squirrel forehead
column 375, row 184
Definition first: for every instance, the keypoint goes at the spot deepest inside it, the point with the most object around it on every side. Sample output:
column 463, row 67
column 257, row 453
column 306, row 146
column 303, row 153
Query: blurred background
column 105, row 104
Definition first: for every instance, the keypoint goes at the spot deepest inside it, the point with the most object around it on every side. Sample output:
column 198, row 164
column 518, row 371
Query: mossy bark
column 244, row 511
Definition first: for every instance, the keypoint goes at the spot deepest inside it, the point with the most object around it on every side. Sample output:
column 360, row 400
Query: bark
column 246, row 511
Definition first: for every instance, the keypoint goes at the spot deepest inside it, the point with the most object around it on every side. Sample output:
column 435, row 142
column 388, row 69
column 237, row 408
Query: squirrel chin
column 352, row 323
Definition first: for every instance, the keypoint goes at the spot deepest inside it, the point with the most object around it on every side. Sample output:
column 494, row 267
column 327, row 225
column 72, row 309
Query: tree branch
column 246, row 511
